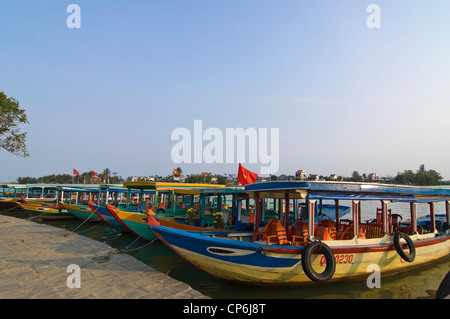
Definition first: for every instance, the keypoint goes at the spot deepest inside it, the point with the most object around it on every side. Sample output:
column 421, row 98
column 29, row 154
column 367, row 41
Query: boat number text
column 340, row 259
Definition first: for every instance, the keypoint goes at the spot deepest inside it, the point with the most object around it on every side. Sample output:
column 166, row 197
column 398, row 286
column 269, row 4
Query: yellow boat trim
column 154, row 185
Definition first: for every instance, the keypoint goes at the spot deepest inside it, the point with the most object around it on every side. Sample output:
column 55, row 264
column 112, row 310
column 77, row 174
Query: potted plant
column 218, row 222
column 191, row 215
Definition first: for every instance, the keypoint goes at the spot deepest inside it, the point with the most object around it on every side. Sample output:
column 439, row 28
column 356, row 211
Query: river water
column 420, row 283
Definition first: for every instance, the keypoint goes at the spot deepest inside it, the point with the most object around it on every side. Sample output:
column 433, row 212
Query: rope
column 84, row 221
column 7, row 210
column 37, row 216
column 130, row 250
column 127, row 250
column 96, row 225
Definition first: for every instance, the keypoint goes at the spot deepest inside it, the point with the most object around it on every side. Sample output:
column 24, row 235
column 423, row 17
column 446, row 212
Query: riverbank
column 35, row 263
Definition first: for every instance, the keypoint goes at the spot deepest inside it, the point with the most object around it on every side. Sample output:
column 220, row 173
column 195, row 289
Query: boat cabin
column 172, row 199
column 321, row 202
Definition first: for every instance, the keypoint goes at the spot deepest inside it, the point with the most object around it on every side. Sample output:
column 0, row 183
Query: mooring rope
column 7, row 210
column 84, row 222
column 130, row 250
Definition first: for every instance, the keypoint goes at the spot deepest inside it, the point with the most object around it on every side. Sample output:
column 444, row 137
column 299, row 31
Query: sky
column 344, row 97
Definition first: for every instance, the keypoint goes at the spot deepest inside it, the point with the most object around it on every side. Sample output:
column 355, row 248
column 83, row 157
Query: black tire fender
column 398, row 247
column 330, row 268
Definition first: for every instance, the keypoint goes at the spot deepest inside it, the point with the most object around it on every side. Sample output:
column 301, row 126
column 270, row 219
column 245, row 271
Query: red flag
column 245, row 176
column 75, row 172
column 175, row 172
column 94, row 174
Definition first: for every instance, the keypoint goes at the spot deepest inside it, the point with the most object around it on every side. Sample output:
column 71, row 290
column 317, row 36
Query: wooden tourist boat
column 47, row 201
column 46, row 211
column 135, row 221
column 157, row 196
column 105, row 215
column 83, row 212
column 284, row 253
column 74, row 199
column 39, row 194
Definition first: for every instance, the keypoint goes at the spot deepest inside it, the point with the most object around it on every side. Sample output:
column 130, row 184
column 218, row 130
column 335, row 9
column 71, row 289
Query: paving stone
column 34, row 260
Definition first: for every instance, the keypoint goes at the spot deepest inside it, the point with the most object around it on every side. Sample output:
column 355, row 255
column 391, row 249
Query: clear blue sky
column 344, row 97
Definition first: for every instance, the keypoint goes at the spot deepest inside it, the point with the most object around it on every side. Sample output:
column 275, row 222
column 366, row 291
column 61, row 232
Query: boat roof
column 349, row 191
column 154, row 185
column 222, row 191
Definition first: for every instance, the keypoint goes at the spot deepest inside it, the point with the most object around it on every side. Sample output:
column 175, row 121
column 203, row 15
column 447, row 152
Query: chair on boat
column 379, row 219
column 298, row 234
column 342, row 227
column 143, row 206
column 349, row 233
column 372, row 230
column 275, row 232
column 395, row 221
column 408, row 230
column 345, row 230
column 325, row 230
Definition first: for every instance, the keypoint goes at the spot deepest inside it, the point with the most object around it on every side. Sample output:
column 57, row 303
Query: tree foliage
column 84, row 178
column 11, row 116
column 421, row 177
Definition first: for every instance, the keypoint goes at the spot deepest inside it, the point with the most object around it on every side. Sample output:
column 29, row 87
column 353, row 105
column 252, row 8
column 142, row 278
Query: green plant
column 218, row 220
column 191, row 215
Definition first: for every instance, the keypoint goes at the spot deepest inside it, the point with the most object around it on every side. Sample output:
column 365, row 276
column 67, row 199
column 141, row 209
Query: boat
column 46, row 212
column 47, row 201
column 83, row 212
column 74, row 199
column 209, row 201
column 12, row 194
column 326, row 250
column 136, row 223
column 160, row 197
column 105, row 215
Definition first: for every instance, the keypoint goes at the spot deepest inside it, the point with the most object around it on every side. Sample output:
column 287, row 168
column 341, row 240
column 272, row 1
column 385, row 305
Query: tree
column 222, row 180
column 406, row 178
column 105, row 175
column 195, row 179
column 356, row 177
column 11, row 116
column 421, row 177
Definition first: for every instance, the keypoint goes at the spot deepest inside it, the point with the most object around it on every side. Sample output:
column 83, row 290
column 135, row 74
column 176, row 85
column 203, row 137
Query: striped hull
column 82, row 212
column 103, row 213
column 260, row 264
column 135, row 223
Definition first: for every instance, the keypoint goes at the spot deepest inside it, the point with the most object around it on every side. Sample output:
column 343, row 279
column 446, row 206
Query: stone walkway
column 34, row 260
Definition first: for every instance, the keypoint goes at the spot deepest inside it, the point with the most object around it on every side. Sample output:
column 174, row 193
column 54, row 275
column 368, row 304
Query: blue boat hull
column 106, row 216
column 237, row 257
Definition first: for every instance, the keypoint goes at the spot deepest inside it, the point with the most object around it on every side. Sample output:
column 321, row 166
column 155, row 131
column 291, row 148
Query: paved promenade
column 34, row 260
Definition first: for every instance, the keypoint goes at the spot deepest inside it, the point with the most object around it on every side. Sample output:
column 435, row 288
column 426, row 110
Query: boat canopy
column 349, row 191
column 154, row 185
